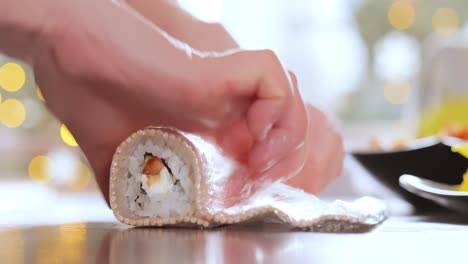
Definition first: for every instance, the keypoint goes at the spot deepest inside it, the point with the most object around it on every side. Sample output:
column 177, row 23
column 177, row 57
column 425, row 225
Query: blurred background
column 376, row 66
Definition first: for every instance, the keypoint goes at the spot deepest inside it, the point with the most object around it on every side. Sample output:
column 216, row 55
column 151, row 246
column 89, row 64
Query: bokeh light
column 39, row 94
column 63, row 166
column 445, row 20
column 82, row 176
column 397, row 92
column 39, row 169
column 12, row 113
column 67, row 170
column 397, row 56
column 401, row 15
column 12, row 77
column 67, row 137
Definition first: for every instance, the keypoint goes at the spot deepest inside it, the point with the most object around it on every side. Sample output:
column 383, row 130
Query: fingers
column 244, row 183
column 271, row 90
column 324, row 155
column 287, row 136
column 277, row 118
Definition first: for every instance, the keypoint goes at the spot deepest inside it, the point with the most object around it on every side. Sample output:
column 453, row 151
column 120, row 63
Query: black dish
column 430, row 158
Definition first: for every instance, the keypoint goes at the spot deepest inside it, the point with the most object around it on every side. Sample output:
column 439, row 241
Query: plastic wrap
column 223, row 193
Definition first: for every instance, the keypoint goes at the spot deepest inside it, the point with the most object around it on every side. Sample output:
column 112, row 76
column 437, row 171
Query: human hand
column 106, row 73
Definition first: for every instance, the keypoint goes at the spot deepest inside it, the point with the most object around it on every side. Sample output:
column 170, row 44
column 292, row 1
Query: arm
column 170, row 17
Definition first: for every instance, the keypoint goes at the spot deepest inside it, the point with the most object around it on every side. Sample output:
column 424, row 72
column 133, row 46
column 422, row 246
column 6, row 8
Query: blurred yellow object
column 39, row 169
column 12, row 113
column 39, row 94
column 450, row 112
column 463, row 150
column 12, row 77
column 67, row 137
column 445, row 20
column 401, row 15
column 463, row 187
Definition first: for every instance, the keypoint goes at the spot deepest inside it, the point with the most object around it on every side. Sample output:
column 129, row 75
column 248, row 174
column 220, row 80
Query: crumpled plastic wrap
column 224, row 195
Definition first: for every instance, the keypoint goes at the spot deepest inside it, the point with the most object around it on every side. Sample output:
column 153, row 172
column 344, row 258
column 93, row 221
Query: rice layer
column 171, row 197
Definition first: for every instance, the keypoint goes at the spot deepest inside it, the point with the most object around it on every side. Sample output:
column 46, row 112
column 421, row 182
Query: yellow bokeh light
column 12, row 113
column 397, row 92
column 67, row 137
column 82, row 176
column 445, row 20
column 39, row 94
column 401, row 15
column 39, row 169
column 12, row 77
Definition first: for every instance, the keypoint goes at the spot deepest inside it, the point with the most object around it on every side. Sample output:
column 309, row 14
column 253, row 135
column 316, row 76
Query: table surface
column 44, row 228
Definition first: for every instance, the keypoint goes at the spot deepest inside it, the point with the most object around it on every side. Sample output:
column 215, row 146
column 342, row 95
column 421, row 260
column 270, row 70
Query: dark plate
column 429, row 158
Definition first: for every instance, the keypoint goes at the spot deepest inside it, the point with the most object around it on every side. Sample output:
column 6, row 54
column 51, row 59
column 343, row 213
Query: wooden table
column 80, row 229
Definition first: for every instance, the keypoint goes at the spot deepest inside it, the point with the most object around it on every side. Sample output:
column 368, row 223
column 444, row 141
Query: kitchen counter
column 49, row 227
column 415, row 239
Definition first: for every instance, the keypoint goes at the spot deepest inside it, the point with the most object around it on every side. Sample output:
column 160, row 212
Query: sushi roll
column 156, row 170
column 163, row 177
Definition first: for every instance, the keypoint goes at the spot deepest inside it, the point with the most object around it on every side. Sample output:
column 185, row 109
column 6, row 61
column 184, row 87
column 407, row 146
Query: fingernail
column 270, row 150
column 268, row 165
column 265, row 132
